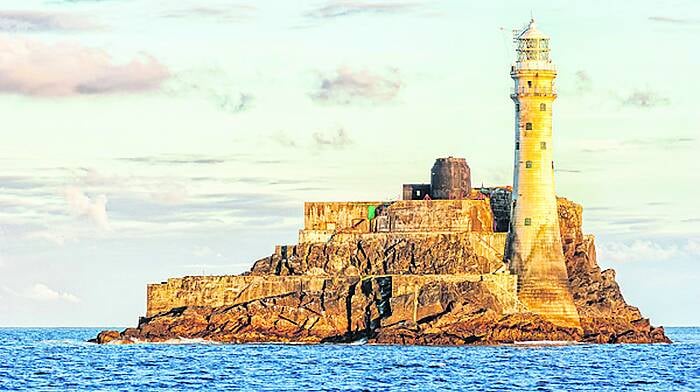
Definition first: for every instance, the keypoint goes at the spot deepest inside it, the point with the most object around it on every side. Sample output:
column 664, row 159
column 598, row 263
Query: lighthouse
column 534, row 251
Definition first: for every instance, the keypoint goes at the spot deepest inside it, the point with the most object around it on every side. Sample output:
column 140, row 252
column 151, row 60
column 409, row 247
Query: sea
column 57, row 359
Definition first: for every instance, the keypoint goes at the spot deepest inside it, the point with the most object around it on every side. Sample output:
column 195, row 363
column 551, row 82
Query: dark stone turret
column 450, row 179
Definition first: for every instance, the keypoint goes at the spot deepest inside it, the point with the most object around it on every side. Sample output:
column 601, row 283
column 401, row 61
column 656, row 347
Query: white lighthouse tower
column 534, row 250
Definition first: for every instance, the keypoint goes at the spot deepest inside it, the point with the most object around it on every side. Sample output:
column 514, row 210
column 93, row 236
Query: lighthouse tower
column 534, row 250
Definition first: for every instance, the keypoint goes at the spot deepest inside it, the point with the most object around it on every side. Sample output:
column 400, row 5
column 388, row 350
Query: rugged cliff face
column 385, row 254
column 605, row 316
column 405, row 290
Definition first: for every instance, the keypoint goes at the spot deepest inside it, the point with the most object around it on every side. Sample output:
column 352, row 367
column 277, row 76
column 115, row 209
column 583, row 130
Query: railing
column 533, row 91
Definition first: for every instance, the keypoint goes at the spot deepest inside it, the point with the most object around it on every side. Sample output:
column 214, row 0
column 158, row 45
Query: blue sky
column 150, row 139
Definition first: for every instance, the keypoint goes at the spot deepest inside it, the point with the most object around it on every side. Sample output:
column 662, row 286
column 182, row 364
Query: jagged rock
column 105, row 337
column 605, row 316
column 451, row 253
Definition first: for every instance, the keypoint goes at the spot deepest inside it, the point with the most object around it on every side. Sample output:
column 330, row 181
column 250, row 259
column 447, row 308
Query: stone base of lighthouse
column 543, row 284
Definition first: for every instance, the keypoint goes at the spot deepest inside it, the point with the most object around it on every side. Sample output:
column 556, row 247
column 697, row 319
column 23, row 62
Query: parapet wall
column 324, row 219
column 332, row 216
column 229, row 290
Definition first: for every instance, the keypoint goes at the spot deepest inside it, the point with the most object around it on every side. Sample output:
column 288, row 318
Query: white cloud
column 219, row 12
column 37, row 21
column 348, row 86
column 204, row 267
column 168, row 193
column 342, row 8
column 42, row 292
column 50, row 236
column 82, row 205
column 31, row 67
column 645, row 250
column 338, row 139
column 205, row 251
column 692, row 247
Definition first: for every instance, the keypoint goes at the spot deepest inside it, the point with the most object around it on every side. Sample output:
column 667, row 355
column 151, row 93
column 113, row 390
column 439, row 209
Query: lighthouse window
column 529, row 83
column 517, row 145
column 528, row 164
column 543, row 107
column 517, row 107
column 528, row 126
column 528, row 221
column 543, row 145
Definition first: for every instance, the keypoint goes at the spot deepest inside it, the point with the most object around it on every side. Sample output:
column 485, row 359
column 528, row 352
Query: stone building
column 450, row 179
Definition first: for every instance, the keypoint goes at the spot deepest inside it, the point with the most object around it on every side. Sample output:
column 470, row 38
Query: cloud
column 347, row 86
column 680, row 21
column 204, row 267
column 224, row 13
column 583, row 82
column 31, row 67
column 644, row 99
column 645, row 250
column 167, row 193
column 211, row 84
column 37, row 21
column 228, row 103
column 47, row 235
column 337, row 140
column 82, row 205
column 177, row 160
column 19, row 182
column 336, row 9
column 42, row 292
column 284, row 140
column 615, row 145
column 84, row 1
column 567, row 171
column 205, row 252
column 198, row 211
column 693, row 247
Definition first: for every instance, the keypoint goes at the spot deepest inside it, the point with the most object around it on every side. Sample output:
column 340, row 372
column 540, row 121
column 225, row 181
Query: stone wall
column 334, row 216
column 228, row 290
column 324, row 219
column 215, row 291
column 440, row 215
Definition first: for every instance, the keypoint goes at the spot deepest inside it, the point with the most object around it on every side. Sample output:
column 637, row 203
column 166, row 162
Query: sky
column 147, row 139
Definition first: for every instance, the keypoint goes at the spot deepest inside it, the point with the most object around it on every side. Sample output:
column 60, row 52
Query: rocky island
column 427, row 271
column 446, row 265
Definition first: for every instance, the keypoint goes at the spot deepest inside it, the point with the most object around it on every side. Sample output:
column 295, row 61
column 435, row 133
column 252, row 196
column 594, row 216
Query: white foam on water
column 64, row 342
column 546, row 343
column 189, row 341
column 174, row 341
column 358, row 342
